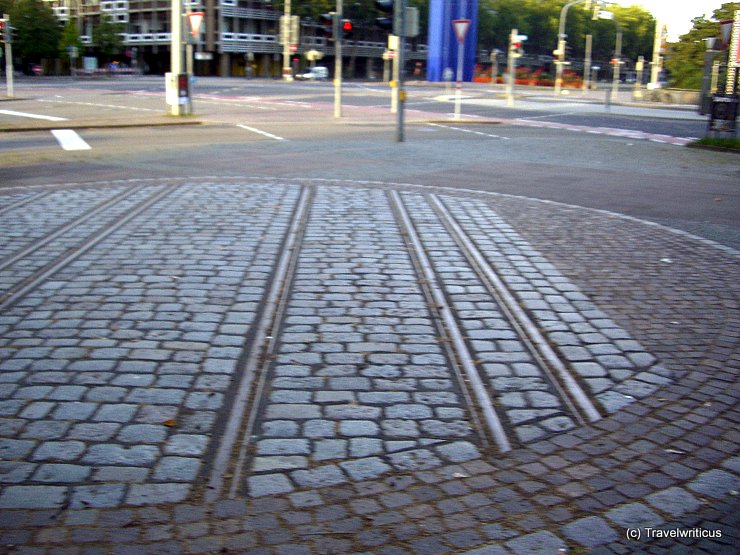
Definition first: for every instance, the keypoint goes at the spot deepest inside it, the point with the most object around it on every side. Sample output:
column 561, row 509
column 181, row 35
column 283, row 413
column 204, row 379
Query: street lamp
column 559, row 52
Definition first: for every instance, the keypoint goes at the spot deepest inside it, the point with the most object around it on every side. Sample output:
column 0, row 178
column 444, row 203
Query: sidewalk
column 314, row 366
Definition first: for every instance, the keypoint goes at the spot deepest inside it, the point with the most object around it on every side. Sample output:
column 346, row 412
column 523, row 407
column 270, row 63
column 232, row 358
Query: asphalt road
column 587, row 155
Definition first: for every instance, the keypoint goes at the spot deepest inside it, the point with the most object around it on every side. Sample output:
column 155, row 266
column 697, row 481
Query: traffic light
column 327, row 22
column 386, row 7
column 6, row 31
column 515, row 44
column 334, row 29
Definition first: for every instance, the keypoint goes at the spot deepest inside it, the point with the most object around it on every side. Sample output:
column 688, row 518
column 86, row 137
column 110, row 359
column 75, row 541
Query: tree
column 540, row 19
column 70, row 39
column 38, row 30
column 107, row 38
column 685, row 58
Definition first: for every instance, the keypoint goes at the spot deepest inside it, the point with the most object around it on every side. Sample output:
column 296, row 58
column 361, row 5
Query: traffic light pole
column 176, row 48
column 511, row 66
column 10, row 91
column 399, row 24
column 337, row 24
column 287, row 72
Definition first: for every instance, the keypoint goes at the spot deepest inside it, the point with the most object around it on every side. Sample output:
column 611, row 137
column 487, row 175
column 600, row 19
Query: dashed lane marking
column 260, row 132
column 32, row 116
column 69, row 139
column 100, row 105
column 470, row 131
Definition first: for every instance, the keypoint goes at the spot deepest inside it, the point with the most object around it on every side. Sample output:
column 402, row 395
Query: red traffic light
column 346, row 25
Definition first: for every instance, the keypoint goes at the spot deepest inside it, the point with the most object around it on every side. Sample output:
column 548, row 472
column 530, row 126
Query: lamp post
column 176, row 47
column 560, row 50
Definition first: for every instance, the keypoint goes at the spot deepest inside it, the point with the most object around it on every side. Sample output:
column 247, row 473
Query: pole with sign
column 7, row 31
column 733, row 61
column 175, row 58
column 461, row 27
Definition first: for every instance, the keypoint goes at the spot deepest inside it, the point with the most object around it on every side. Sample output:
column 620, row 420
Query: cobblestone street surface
column 312, row 366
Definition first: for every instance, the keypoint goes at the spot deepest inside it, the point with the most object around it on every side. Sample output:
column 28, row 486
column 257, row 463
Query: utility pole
column 560, row 51
column 287, row 73
column 399, row 14
column 656, row 63
column 732, row 60
column 617, row 61
column 176, row 48
column 8, row 36
column 337, row 30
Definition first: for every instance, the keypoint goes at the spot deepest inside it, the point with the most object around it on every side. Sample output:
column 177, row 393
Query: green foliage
column 540, row 19
column 106, row 37
column 685, row 59
column 5, row 6
column 38, row 30
column 724, row 143
column 70, row 38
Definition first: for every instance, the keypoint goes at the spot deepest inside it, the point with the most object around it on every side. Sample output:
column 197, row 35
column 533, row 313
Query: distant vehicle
column 318, row 73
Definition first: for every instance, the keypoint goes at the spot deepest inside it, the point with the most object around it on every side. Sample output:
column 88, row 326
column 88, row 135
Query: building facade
column 239, row 38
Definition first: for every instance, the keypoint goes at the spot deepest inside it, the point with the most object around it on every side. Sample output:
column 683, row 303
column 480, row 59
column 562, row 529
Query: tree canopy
column 539, row 20
column 685, row 58
column 38, row 30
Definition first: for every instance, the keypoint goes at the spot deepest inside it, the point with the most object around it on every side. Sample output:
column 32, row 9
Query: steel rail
column 21, row 289
column 254, row 365
column 561, row 378
column 461, row 350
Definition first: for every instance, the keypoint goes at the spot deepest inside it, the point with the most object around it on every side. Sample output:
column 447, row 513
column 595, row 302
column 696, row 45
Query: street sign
column 196, row 20
column 461, row 28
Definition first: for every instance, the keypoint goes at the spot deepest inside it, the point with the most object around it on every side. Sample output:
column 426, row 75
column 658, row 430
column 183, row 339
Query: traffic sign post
column 461, row 27
column 7, row 31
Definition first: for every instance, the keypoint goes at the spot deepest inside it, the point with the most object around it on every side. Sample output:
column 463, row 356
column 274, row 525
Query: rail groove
column 254, row 363
column 64, row 228
column 560, row 377
column 23, row 202
column 17, row 292
column 466, row 360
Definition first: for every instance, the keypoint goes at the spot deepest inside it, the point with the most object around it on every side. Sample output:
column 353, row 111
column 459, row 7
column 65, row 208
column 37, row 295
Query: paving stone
column 590, row 532
column 365, row 469
column 633, row 516
column 539, row 543
column 33, row 497
column 319, row 477
column 151, row 494
column 674, row 501
column 106, row 495
column 715, row 483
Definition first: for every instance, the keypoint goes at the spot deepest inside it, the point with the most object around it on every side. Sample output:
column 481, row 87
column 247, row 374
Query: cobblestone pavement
column 314, row 366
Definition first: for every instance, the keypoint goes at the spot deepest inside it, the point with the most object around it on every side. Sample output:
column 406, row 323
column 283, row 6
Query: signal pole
column 176, row 48
column 287, row 73
column 399, row 13
column 8, row 39
column 337, row 29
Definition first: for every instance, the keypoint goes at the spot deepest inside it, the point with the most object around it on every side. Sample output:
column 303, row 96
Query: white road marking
column 69, row 139
column 263, row 133
column 470, row 131
column 97, row 105
column 33, row 116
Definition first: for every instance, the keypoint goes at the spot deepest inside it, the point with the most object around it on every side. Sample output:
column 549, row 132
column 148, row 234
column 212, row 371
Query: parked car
column 318, row 73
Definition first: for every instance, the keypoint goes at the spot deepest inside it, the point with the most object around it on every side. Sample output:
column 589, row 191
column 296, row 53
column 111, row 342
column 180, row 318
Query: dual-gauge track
column 278, row 335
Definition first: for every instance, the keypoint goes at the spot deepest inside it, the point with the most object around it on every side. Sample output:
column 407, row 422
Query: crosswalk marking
column 69, row 139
